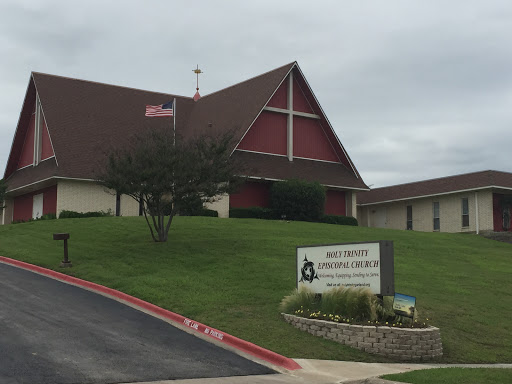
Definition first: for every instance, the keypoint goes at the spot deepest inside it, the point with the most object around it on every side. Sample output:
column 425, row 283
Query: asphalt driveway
column 52, row 332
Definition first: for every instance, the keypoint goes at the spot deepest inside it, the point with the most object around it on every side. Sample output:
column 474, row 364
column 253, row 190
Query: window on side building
column 435, row 208
column 465, row 212
column 409, row 218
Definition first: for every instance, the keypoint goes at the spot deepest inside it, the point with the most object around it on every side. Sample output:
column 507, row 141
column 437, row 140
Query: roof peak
column 291, row 65
column 107, row 84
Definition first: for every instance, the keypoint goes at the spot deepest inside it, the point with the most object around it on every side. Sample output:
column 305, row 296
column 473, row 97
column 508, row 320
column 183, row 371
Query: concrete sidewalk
column 330, row 372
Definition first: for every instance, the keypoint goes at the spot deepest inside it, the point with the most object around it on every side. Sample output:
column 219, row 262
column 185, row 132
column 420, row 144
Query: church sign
column 370, row 264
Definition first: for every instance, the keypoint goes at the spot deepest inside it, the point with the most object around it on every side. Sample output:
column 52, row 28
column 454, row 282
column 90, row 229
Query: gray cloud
column 414, row 89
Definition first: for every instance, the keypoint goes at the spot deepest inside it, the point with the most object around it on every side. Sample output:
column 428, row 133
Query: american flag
column 160, row 110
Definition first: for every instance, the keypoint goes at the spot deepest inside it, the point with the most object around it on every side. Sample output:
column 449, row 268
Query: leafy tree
column 164, row 174
column 3, row 189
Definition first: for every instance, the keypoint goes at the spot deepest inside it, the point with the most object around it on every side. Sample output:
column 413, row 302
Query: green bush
column 78, row 215
column 340, row 220
column 252, row 213
column 206, row 212
column 297, row 200
column 190, row 206
column 48, row 216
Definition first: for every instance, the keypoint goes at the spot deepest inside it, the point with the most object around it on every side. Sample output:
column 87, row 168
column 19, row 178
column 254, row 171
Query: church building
column 66, row 127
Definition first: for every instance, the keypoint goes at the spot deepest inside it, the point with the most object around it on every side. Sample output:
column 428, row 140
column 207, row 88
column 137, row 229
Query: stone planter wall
column 399, row 343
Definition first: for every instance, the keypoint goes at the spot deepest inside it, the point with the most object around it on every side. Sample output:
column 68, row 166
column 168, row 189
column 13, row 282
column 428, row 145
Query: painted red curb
column 242, row 345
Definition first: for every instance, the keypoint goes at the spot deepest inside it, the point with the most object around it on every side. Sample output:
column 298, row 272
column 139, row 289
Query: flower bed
column 398, row 343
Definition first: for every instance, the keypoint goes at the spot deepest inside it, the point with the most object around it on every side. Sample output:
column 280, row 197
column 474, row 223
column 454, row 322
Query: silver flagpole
column 174, row 123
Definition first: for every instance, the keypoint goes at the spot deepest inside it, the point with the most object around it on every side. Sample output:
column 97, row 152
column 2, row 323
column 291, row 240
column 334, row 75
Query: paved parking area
column 52, row 332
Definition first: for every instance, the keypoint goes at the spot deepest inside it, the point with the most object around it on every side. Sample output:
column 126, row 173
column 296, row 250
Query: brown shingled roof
column 279, row 168
column 235, row 108
column 85, row 119
column 443, row 185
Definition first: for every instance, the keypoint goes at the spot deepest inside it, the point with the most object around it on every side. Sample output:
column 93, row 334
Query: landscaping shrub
column 190, row 206
column 340, row 304
column 362, row 304
column 385, row 310
column 299, row 299
column 340, row 220
column 252, row 213
column 48, row 216
column 335, row 301
column 297, row 200
column 78, row 215
column 206, row 212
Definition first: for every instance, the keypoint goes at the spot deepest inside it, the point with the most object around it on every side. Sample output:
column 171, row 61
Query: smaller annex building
column 67, row 126
column 472, row 202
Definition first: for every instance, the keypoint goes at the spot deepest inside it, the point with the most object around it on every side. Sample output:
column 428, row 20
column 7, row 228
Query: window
column 435, row 208
column 465, row 212
column 409, row 218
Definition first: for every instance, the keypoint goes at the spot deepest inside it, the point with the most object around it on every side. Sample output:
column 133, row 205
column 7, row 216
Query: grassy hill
column 232, row 273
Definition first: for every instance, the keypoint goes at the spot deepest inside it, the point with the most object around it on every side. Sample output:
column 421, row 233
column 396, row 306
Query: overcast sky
column 414, row 89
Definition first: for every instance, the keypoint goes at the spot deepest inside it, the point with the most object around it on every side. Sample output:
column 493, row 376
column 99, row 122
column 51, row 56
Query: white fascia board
column 29, row 185
column 262, row 109
column 329, row 123
column 50, row 178
column 434, row 194
column 260, row 153
column 321, row 161
column 48, row 158
column 18, row 125
column 325, row 185
column 46, row 125
column 295, row 113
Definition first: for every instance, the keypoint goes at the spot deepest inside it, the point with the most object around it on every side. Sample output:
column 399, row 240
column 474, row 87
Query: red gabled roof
column 443, row 185
column 85, row 119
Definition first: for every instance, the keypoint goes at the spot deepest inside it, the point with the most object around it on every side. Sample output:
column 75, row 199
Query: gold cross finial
column 197, row 71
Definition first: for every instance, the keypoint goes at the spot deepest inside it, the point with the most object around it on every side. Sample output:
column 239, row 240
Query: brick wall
column 420, row 344
column 8, row 212
column 129, row 206
column 450, row 213
column 87, row 196
column 485, row 213
column 221, row 206
column 84, row 196
column 351, row 198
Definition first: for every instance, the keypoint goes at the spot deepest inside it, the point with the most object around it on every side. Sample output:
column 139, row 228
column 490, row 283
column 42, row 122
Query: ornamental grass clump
column 356, row 304
column 362, row 304
column 300, row 299
column 336, row 301
column 347, row 305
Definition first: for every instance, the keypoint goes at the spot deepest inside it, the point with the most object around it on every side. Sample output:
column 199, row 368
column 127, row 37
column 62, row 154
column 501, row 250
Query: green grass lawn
column 231, row 274
column 454, row 375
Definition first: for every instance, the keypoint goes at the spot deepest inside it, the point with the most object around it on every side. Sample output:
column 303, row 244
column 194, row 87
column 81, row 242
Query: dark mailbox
column 65, row 237
column 60, row 236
